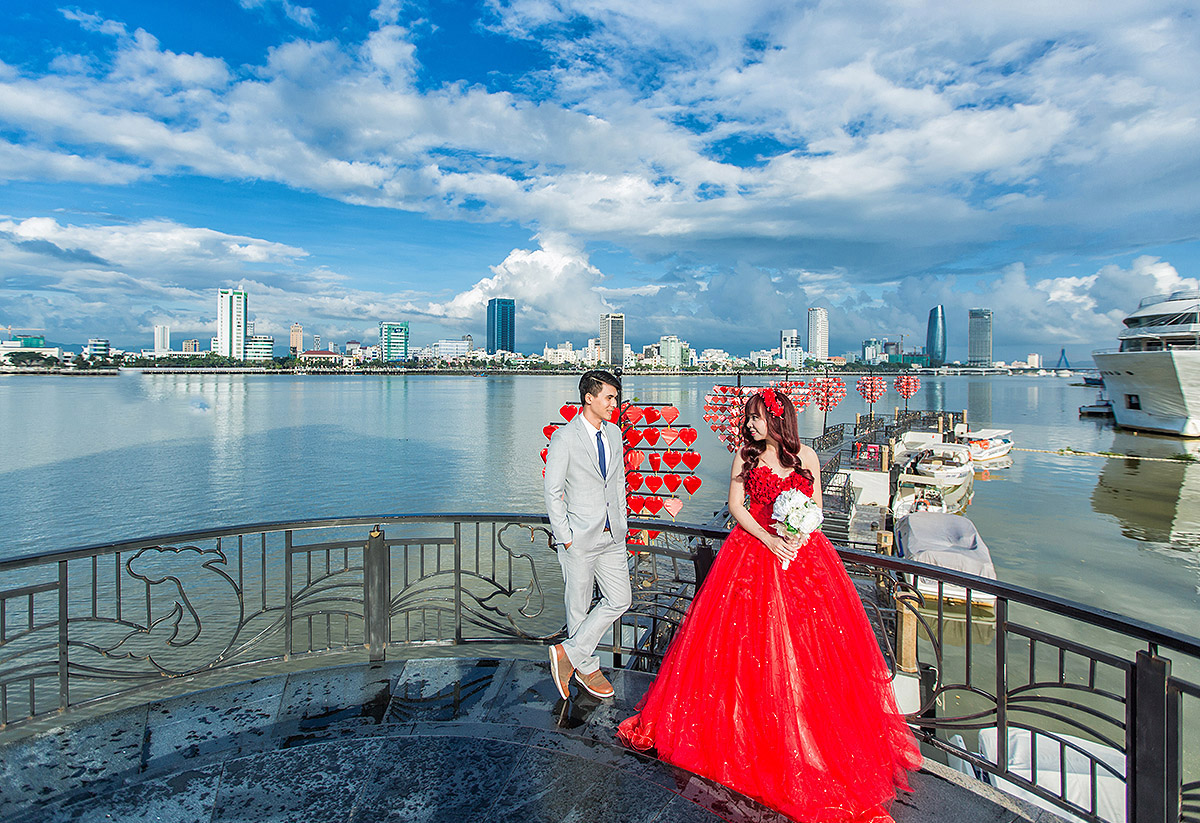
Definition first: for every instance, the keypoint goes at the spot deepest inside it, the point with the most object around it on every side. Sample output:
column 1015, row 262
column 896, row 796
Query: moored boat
column 949, row 541
column 947, row 463
column 1153, row 379
column 988, row 444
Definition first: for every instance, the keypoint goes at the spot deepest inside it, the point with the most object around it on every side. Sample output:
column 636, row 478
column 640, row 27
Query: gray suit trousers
column 606, row 564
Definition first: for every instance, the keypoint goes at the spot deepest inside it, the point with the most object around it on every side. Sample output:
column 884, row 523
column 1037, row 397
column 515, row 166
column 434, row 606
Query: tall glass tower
column 979, row 337
column 818, row 333
column 501, row 324
column 935, row 337
column 231, row 323
column 612, row 339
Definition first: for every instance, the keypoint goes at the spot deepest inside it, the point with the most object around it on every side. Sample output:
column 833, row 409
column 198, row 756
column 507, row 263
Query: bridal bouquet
column 797, row 513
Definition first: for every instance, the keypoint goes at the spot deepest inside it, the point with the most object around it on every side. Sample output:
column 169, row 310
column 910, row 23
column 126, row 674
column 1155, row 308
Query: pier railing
column 1069, row 704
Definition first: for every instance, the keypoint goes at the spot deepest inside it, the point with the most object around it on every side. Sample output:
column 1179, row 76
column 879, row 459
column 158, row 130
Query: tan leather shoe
column 596, row 683
column 561, row 670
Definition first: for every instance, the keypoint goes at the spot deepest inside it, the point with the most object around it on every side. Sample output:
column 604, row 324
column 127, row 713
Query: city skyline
column 874, row 174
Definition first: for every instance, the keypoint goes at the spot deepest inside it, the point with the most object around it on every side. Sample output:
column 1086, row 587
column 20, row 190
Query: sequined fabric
column 775, row 686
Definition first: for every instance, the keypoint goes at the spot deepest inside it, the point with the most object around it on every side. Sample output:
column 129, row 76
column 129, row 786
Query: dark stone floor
column 417, row 740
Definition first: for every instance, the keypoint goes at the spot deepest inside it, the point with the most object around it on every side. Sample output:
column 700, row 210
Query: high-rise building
column 192, row 346
column 296, row 344
column 162, row 339
column 979, row 337
column 97, row 347
column 259, row 348
column 935, row 337
column 671, row 349
column 818, row 333
column 501, row 324
column 393, row 341
column 612, row 340
column 231, row 323
column 872, row 350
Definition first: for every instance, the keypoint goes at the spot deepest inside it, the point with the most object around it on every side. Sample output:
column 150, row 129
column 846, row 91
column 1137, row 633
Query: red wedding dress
column 774, row 684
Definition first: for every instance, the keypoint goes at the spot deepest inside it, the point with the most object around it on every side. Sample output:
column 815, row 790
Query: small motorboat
column 947, row 463
column 988, row 444
column 1058, row 763
column 951, row 542
column 1101, row 408
column 911, row 497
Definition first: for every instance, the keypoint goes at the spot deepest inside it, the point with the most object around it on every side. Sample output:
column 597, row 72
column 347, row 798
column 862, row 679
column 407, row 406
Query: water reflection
column 1155, row 501
column 934, row 393
column 979, row 401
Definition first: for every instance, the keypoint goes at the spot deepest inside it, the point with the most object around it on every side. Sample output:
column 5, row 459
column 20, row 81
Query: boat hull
column 1155, row 391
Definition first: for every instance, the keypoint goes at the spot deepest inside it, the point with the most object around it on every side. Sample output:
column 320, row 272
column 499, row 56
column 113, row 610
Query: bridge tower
column 1063, row 363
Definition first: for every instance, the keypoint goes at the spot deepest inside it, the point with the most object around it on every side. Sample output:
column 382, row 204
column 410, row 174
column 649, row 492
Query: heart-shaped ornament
column 671, row 458
column 544, row 453
column 655, row 461
column 672, row 481
column 636, row 503
column 668, row 435
column 654, row 504
column 635, row 480
column 549, row 430
column 651, row 436
column 633, row 414
column 688, row 436
column 633, row 459
column 670, row 414
column 691, row 460
column 691, row 483
column 568, row 412
column 672, row 506
column 633, row 437
column 654, row 482
column 651, row 414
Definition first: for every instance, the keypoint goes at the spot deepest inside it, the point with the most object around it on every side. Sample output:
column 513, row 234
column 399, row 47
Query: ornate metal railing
column 996, row 663
column 829, row 439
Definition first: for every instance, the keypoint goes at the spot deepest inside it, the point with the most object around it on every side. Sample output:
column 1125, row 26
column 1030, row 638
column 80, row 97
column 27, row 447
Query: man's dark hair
column 593, row 381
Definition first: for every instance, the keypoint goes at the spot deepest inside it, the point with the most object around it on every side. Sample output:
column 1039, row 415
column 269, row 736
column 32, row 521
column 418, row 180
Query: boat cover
column 950, row 541
column 986, row 434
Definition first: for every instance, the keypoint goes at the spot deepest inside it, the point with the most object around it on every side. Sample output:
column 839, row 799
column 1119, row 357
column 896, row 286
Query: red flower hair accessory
column 773, row 404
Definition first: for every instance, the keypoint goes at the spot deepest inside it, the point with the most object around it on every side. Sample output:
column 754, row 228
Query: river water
column 86, row 460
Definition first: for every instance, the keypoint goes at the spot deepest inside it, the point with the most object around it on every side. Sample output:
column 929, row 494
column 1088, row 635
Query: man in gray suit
column 585, row 498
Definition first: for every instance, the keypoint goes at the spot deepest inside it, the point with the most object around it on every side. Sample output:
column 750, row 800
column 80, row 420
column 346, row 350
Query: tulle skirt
column 775, row 686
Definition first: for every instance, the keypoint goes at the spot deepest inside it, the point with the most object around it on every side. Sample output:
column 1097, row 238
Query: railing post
column 377, row 595
column 64, row 684
column 1154, row 793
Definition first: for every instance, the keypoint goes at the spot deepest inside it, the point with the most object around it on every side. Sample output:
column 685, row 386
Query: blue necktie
column 603, row 466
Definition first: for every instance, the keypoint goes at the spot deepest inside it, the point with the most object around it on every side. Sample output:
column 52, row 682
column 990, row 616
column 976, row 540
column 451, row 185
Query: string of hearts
column 657, row 428
column 723, row 407
column 871, row 388
column 907, row 385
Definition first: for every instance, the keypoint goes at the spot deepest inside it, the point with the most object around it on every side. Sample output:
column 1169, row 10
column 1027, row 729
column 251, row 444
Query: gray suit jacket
column 578, row 498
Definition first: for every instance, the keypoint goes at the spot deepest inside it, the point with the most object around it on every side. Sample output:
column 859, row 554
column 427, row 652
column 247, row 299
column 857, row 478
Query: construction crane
column 10, row 331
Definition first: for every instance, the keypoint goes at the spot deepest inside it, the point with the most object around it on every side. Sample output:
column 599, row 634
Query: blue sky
column 711, row 169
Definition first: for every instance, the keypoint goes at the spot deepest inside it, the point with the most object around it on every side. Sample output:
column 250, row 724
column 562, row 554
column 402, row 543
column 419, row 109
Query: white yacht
column 1153, row 379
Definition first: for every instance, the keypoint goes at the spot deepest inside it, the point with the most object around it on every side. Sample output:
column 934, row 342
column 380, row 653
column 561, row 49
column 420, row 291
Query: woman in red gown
column 774, row 684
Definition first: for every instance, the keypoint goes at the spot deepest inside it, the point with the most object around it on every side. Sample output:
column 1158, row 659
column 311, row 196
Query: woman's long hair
column 783, row 430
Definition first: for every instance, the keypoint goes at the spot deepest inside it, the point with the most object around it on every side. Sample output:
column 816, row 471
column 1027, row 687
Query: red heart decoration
column 670, row 414
column 691, row 460
column 549, row 430
column 633, row 414
column 633, row 536
column 654, row 482
column 568, row 412
column 651, row 436
column 672, row 481
column 652, row 535
column 673, row 505
column 544, row 453
column 691, row 483
column 652, row 414
column 636, row 503
column 669, row 435
column 633, row 459
column 655, row 461
column 635, row 480
column 654, row 504
column 672, row 459
column 633, row 437
column 688, row 436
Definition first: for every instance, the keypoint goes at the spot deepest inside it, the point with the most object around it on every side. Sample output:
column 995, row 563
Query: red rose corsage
column 772, row 400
